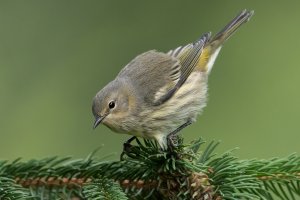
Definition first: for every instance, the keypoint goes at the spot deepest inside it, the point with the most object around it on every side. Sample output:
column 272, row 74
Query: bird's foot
column 172, row 138
column 126, row 147
column 172, row 142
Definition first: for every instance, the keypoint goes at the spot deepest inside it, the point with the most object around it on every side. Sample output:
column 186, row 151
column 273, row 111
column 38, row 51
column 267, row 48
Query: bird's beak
column 98, row 121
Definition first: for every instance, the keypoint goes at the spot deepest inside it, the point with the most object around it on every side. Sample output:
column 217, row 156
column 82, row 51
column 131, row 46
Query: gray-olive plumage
column 158, row 92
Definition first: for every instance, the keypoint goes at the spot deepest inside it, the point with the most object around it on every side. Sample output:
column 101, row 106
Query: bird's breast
column 184, row 105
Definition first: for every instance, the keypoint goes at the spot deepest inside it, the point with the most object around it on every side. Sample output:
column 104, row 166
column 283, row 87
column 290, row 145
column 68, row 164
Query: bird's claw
column 126, row 147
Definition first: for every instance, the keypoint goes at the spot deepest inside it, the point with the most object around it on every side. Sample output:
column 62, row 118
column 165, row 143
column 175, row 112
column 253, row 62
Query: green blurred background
column 55, row 55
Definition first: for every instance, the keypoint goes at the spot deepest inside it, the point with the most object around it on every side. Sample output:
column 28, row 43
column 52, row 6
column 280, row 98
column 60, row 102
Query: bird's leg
column 126, row 146
column 130, row 140
column 172, row 137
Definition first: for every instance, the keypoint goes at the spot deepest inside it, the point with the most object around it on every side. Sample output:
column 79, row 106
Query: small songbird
column 158, row 94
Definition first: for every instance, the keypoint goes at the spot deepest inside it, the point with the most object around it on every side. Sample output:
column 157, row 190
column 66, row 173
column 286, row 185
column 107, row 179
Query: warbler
column 157, row 94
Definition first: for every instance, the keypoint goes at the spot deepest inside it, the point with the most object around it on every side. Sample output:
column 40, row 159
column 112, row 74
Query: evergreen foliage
column 103, row 189
column 191, row 171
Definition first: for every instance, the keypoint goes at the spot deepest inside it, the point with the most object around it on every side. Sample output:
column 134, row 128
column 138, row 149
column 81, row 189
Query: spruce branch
column 103, row 189
column 10, row 190
column 191, row 171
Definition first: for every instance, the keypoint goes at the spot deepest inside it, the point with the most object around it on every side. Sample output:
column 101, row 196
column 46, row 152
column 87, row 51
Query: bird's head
column 112, row 104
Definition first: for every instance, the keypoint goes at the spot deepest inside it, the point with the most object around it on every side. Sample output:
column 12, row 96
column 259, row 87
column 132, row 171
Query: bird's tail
column 213, row 46
column 230, row 28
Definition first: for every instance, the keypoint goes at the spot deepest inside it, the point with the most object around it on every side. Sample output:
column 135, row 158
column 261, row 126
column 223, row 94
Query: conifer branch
column 103, row 189
column 9, row 189
column 145, row 172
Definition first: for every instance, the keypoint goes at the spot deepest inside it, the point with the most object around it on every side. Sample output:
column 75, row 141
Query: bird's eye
column 111, row 105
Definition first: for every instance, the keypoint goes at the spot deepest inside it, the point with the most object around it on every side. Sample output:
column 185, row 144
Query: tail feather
column 230, row 28
column 213, row 46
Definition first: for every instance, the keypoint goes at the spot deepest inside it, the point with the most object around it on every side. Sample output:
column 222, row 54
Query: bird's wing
column 189, row 59
column 157, row 76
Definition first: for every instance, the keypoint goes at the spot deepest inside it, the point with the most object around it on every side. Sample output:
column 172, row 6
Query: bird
column 158, row 94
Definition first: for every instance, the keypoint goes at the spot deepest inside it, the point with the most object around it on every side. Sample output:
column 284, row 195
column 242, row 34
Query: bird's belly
column 183, row 106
